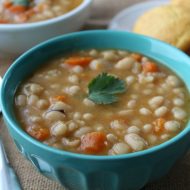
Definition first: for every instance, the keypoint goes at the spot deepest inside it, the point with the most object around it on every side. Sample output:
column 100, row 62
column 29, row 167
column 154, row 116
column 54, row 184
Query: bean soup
column 26, row 11
column 102, row 102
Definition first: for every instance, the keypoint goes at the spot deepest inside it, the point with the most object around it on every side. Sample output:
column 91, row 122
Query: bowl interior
column 25, row 65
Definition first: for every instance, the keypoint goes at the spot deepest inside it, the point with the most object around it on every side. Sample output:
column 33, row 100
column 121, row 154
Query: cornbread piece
column 185, row 3
column 168, row 23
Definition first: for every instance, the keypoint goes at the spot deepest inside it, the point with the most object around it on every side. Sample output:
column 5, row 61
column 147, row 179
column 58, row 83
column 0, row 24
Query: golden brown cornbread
column 185, row 3
column 168, row 23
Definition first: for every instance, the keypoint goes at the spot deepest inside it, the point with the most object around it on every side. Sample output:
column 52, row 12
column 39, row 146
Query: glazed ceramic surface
column 17, row 38
column 86, row 172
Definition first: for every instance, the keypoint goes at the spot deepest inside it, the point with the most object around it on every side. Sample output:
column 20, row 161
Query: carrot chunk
column 136, row 56
column 59, row 98
column 40, row 133
column 7, row 4
column 82, row 61
column 150, row 67
column 159, row 125
column 16, row 9
column 3, row 21
column 93, row 142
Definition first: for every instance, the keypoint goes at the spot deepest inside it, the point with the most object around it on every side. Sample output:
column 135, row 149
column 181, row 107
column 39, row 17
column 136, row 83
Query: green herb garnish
column 21, row 2
column 104, row 87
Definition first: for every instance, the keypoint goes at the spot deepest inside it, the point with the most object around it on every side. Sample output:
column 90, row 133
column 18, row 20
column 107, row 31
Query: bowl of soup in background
column 17, row 38
column 79, row 171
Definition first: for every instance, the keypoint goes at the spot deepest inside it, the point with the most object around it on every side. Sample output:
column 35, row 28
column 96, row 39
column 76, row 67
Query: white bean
column 32, row 100
column 165, row 137
column 145, row 79
column 42, row 104
column 135, row 141
column 178, row 102
column 77, row 69
column 20, row 100
column 156, row 101
column 77, row 115
column 59, row 129
column 144, row 59
column 125, row 63
column 88, row 102
column 87, row 116
column 152, row 139
column 93, row 52
column 73, row 90
column 70, row 143
column 125, row 112
column 54, row 116
column 133, row 129
column 54, row 73
column 116, row 124
column 147, row 128
column 179, row 113
column 111, row 138
column 161, row 111
column 145, row 111
column 109, row 55
column 96, row 64
column 173, row 81
column 136, row 68
column 132, row 104
column 99, row 127
column 82, row 131
column 130, row 80
column 32, row 88
column 60, row 106
column 72, row 126
column 81, row 123
column 121, row 148
column 172, row 126
column 73, row 79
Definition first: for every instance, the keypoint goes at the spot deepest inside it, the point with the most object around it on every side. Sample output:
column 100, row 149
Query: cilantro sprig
column 21, row 2
column 103, row 89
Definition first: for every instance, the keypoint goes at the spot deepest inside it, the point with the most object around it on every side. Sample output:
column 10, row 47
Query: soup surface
column 104, row 102
column 26, row 11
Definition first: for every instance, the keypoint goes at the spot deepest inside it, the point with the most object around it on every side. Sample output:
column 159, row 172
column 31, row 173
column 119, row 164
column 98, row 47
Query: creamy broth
column 53, row 105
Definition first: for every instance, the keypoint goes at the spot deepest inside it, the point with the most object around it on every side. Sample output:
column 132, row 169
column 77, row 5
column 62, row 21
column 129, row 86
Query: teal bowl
column 86, row 172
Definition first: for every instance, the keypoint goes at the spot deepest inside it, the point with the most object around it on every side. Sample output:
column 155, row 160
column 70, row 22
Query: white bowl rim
column 20, row 26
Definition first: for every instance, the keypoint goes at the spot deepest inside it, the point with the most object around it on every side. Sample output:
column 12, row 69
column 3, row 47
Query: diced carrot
column 16, row 9
column 7, row 4
column 82, row 61
column 59, row 98
column 136, row 56
column 150, row 67
column 93, row 142
column 3, row 21
column 39, row 133
column 159, row 125
column 30, row 12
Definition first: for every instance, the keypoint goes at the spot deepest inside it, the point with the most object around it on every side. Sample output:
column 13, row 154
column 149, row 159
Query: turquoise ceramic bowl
column 85, row 172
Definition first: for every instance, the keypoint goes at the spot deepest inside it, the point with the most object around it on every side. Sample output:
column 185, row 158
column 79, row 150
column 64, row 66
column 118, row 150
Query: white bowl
column 17, row 38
